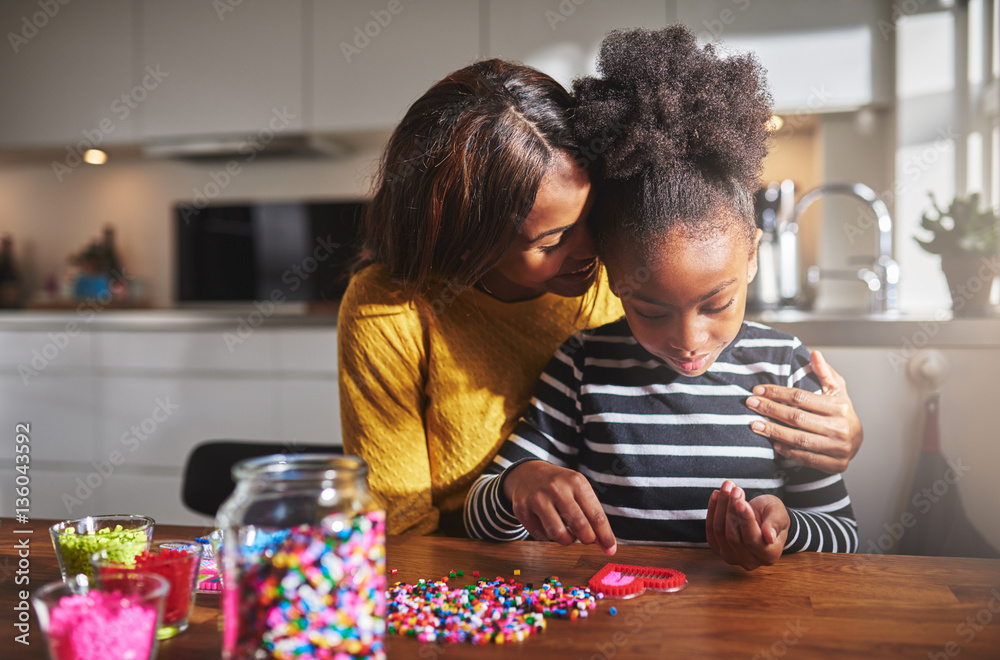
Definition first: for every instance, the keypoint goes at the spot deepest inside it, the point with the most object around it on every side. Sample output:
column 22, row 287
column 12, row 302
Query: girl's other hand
column 748, row 534
column 826, row 432
column 558, row 504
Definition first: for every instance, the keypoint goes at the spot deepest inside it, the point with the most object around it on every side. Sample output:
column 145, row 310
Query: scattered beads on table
column 100, row 625
column 613, row 611
column 308, row 592
column 498, row 611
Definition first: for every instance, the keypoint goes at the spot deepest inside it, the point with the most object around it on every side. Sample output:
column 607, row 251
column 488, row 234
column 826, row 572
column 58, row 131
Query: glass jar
column 303, row 560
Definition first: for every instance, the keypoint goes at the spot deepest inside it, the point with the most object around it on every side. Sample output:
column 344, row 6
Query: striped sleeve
column 819, row 508
column 549, row 431
column 820, row 512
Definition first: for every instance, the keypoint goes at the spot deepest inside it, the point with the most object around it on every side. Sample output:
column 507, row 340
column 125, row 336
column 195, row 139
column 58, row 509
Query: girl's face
column 554, row 250
column 687, row 304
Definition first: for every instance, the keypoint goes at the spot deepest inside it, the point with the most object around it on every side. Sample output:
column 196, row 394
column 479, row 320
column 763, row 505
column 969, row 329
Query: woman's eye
column 650, row 316
column 716, row 310
column 555, row 246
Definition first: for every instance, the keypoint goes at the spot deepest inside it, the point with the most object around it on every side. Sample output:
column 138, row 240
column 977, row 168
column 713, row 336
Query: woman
column 482, row 265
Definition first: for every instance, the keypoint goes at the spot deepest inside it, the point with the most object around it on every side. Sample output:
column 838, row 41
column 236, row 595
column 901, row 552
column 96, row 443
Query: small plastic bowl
column 177, row 561
column 124, row 536
column 116, row 619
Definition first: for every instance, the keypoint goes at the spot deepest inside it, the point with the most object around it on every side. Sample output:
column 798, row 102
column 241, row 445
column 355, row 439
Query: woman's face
column 554, row 251
column 688, row 303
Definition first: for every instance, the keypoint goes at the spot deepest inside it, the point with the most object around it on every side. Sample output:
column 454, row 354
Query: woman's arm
column 822, row 432
column 381, row 372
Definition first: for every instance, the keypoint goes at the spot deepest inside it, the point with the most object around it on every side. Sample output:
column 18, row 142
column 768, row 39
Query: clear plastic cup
column 177, row 561
column 82, row 620
column 76, row 540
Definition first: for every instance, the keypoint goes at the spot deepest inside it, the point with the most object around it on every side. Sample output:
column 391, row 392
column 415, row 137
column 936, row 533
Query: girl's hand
column 749, row 534
column 827, row 432
column 555, row 503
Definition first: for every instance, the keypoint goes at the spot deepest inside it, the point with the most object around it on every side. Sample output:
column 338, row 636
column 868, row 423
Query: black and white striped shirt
column 654, row 444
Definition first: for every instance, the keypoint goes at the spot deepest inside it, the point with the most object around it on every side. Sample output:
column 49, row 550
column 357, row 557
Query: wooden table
column 809, row 605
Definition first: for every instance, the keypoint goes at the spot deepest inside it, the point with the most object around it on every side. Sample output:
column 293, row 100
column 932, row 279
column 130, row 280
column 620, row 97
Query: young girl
column 638, row 431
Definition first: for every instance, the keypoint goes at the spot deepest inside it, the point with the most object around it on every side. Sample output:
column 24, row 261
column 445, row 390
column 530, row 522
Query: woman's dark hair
column 678, row 136
column 460, row 173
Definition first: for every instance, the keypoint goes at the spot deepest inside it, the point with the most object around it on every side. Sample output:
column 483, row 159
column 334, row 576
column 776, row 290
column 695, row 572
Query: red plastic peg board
column 627, row 581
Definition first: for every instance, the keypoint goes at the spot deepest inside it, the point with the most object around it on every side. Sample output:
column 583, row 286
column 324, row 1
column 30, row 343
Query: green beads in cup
column 122, row 537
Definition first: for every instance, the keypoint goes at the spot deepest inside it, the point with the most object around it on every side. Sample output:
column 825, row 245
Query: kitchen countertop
column 902, row 331
column 160, row 320
column 938, row 329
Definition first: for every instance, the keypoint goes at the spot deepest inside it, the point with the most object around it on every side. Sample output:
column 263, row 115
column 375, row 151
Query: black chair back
column 208, row 478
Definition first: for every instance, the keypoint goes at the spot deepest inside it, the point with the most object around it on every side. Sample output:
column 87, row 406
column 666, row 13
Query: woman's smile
column 583, row 273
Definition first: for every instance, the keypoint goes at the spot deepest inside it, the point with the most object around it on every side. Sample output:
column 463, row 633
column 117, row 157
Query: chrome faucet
column 881, row 275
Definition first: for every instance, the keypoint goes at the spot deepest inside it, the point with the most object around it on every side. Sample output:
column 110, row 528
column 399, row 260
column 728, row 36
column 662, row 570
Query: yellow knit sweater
column 430, row 390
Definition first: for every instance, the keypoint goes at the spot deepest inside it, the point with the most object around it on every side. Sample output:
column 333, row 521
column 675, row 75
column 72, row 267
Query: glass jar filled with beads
column 303, row 560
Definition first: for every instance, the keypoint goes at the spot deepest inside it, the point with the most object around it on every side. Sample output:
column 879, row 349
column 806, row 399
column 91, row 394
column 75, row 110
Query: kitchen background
column 233, row 102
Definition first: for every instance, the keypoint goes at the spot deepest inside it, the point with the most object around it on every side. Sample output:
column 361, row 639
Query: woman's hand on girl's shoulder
column 823, row 432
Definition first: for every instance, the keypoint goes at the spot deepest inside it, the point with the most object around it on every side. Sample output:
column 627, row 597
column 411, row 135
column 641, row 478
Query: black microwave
column 281, row 251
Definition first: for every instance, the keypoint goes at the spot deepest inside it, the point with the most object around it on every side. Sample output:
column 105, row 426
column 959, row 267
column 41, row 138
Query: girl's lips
column 690, row 364
column 580, row 274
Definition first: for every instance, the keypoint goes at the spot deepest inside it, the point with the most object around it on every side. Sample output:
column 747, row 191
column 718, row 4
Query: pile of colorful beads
column 179, row 567
column 99, row 625
column 498, row 611
column 311, row 591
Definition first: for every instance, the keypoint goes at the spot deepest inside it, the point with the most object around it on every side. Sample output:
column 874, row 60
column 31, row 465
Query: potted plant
column 966, row 238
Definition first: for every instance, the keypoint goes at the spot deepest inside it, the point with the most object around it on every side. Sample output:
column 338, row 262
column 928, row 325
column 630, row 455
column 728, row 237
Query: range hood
column 226, row 147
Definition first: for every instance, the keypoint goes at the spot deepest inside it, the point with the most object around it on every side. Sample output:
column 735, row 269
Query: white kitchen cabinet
column 842, row 49
column 562, row 37
column 65, row 346
column 156, row 420
column 310, row 411
column 66, row 71
column 154, row 495
column 120, row 409
column 231, row 67
column 123, row 71
column 372, row 59
column 59, row 406
column 312, row 350
column 223, row 349
column 61, row 495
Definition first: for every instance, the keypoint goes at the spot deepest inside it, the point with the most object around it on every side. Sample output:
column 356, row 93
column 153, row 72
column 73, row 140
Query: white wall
column 891, row 408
